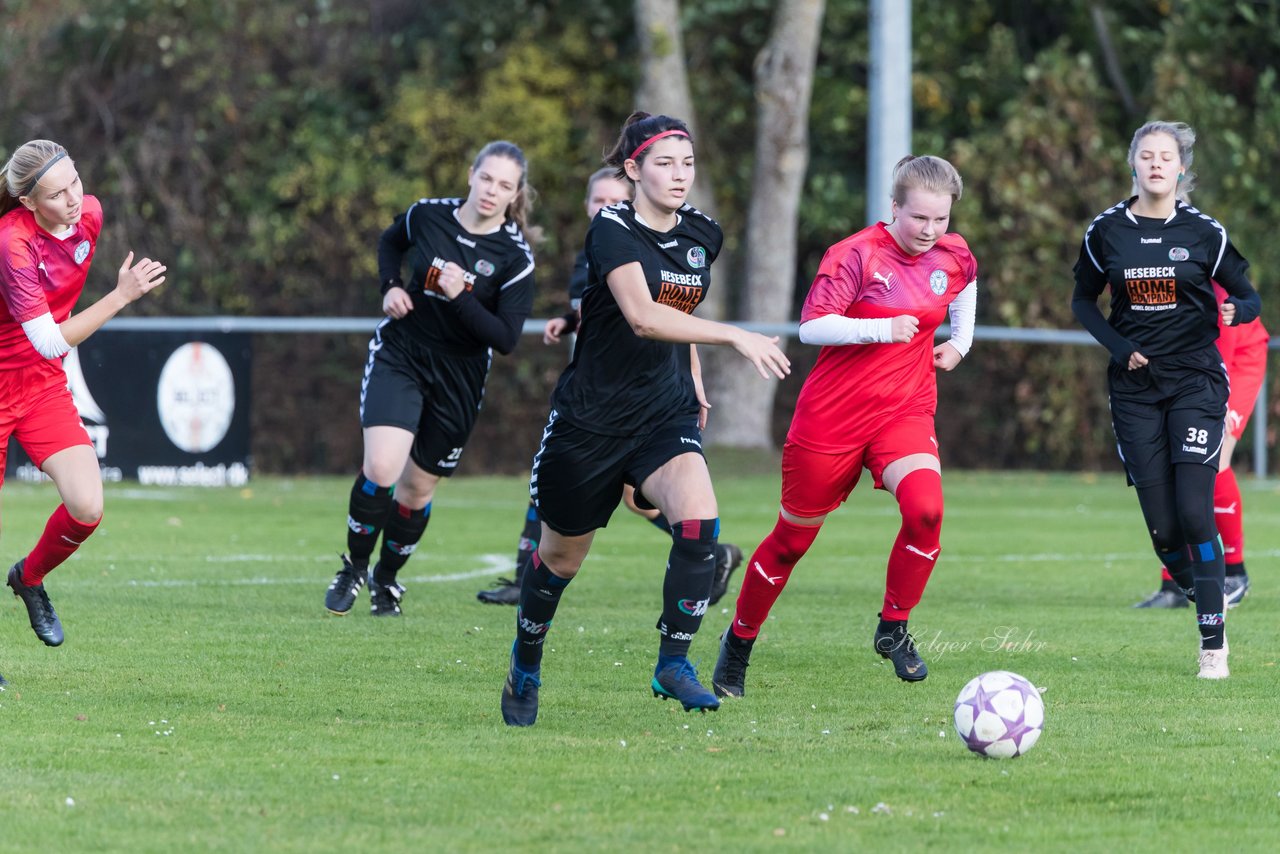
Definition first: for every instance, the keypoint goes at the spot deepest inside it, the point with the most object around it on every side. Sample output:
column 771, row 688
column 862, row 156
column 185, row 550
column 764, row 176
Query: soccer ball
column 999, row 714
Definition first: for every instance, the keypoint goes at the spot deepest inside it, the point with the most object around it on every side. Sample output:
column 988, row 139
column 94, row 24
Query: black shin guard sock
column 366, row 517
column 528, row 540
column 686, row 588
column 399, row 540
column 1209, row 571
column 540, row 592
column 1235, row 570
column 1179, row 565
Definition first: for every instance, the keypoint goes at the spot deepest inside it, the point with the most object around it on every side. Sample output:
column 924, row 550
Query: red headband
column 651, row 140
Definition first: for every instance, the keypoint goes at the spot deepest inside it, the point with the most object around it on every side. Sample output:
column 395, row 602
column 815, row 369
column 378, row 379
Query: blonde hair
column 925, row 173
column 24, row 168
column 1185, row 138
column 522, row 205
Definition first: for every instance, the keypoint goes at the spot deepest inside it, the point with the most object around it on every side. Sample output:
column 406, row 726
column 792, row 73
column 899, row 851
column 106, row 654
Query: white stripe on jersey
column 455, row 202
column 517, row 236
column 1089, row 230
column 1222, row 250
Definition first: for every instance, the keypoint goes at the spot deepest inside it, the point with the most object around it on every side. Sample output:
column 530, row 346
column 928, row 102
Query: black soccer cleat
column 342, row 593
column 1234, row 589
column 674, row 678
column 39, row 609
column 1164, row 598
column 520, row 694
column 504, row 592
column 899, row 647
column 384, row 599
column 729, row 679
column 728, row 558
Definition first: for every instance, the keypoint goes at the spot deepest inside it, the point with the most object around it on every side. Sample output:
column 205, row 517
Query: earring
column 1134, row 173
column 1180, row 176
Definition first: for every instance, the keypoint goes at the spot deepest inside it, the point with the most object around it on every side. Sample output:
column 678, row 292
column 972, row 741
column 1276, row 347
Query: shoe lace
column 42, row 604
column 736, row 664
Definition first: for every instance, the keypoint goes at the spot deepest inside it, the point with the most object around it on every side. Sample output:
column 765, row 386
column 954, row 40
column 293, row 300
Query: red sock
column 62, row 536
column 767, row 573
column 1228, row 513
column 916, row 550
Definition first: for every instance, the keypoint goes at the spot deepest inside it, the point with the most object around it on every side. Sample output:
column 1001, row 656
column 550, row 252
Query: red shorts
column 1245, row 372
column 814, row 483
column 37, row 409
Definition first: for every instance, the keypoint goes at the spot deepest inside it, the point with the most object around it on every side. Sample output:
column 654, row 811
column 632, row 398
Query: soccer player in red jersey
column 48, row 232
column 869, row 402
column 1244, row 353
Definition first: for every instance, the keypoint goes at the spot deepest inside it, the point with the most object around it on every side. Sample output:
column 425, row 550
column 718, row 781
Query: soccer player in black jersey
column 1168, row 388
column 630, row 408
column 469, row 290
column 604, row 188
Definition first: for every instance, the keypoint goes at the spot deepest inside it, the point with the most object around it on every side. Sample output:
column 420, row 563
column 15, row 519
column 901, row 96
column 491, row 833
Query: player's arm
column 392, row 246
column 1243, row 303
column 652, row 320
column 1091, row 280
column 823, row 320
column 695, row 370
column 963, row 312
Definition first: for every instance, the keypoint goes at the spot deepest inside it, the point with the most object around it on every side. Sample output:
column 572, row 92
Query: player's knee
column 696, row 539
column 86, row 511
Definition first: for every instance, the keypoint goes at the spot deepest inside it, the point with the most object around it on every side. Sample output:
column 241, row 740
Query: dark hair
column 639, row 127
column 522, row 205
column 18, row 177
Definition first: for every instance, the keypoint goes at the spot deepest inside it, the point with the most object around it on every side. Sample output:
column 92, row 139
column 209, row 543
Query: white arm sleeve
column 46, row 336
column 964, row 312
column 835, row 329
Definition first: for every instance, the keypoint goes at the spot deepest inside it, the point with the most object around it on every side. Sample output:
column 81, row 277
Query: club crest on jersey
column 82, row 251
column 938, row 282
column 697, row 257
column 1178, row 253
column 484, row 268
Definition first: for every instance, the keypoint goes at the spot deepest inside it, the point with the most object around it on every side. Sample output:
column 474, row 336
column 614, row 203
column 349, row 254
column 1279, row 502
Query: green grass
column 205, row 701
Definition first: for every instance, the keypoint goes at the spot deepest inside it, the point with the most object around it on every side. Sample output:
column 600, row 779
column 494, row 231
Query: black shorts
column 432, row 395
column 1172, row 411
column 578, row 475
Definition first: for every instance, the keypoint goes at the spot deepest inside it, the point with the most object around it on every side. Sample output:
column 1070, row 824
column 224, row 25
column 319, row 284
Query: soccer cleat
column 1234, row 589
column 728, row 556
column 520, row 694
column 675, row 678
column 1164, row 598
column 384, row 599
column 39, row 609
column 729, row 679
column 342, row 593
column 3, row 682
column 505, row 592
column 900, row 647
column 1213, row 663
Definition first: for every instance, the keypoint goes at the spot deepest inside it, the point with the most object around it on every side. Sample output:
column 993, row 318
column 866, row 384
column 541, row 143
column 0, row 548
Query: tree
column 784, row 82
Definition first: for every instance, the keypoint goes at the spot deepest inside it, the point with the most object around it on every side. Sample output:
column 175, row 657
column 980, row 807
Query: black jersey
column 618, row 383
column 1161, row 274
column 578, row 280
column 498, row 268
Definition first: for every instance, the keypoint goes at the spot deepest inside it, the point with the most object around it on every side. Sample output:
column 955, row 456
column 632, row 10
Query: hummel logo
column 926, row 555
column 773, row 580
column 888, row 280
column 669, row 245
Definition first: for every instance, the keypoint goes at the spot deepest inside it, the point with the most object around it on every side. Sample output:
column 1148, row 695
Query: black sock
column 888, row 627
column 366, row 517
column 686, row 588
column 540, row 592
column 1236, row 569
column 660, row 522
column 1209, row 571
column 404, row 529
column 1179, row 565
column 528, row 540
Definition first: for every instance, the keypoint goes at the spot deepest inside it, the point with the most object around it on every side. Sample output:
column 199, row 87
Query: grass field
column 205, row 701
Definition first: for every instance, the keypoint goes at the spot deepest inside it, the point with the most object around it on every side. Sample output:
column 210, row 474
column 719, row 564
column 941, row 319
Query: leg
column 1228, row 514
column 507, row 592
column 1194, row 496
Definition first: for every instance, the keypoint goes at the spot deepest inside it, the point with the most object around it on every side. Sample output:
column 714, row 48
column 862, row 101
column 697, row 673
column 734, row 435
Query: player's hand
column 136, row 279
column 946, row 357
column 762, row 351
column 553, row 330
column 1137, row 360
column 451, row 280
column 904, row 328
column 1228, row 312
column 397, row 303
column 704, row 408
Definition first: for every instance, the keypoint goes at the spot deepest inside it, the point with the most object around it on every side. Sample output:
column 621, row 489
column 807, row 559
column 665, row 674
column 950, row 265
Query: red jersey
column 855, row 390
column 41, row 273
column 1234, row 340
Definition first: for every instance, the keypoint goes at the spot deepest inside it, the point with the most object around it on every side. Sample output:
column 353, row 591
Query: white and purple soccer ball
column 999, row 714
